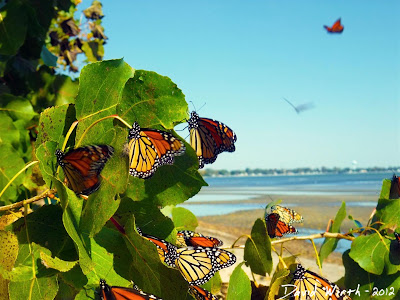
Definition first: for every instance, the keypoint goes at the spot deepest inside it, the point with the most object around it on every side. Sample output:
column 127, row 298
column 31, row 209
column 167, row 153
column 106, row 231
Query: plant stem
column 28, row 201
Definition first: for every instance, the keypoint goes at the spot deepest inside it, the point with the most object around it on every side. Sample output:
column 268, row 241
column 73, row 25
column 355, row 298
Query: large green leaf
column 8, row 254
column 364, row 284
column 10, row 134
column 276, row 282
column 18, row 108
column 371, row 252
column 239, row 285
column 147, row 270
column 330, row 244
column 184, row 219
column 388, row 213
column 257, row 250
column 56, row 263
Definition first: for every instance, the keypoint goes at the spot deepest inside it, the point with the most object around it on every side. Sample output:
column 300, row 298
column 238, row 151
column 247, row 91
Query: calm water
column 239, row 191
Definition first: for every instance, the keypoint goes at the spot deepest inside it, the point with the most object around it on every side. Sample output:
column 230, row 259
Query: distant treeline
column 297, row 171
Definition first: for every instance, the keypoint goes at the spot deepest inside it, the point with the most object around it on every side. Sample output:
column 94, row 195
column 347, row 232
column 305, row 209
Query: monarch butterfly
column 277, row 228
column 201, row 294
column 336, row 27
column 397, row 236
column 196, row 264
column 122, row 293
column 309, row 285
column 395, row 187
column 149, row 149
column 209, row 138
column 190, row 238
column 287, row 215
column 82, row 167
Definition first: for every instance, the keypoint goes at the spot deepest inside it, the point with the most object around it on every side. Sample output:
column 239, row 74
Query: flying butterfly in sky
column 149, row 149
column 209, row 138
column 307, row 282
column 201, row 294
column 277, row 228
column 196, row 264
column 82, row 167
column 122, row 293
column 185, row 238
column 287, row 215
column 395, row 187
column 336, row 27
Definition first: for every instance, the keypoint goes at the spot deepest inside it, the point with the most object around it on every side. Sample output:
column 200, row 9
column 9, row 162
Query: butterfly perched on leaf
column 307, row 282
column 82, row 167
column 201, row 294
column 185, row 238
column 287, row 215
column 276, row 227
column 122, row 293
column 149, row 149
column 209, row 138
column 395, row 187
column 336, row 27
column 196, row 264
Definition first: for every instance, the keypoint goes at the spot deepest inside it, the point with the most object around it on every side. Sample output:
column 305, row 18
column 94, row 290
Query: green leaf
column 239, row 285
column 330, row 244
column 148, row 272
column 385, row 191
column 12, row 30
column 276, row 282
column 65, row 291
column 56, row 263
column 10, row 164
column 10, row 134
column 257, row 250
column 184, row 219
column 18, row 108
column 100, row 88
column 365, row 283
column 214, row 284
column 388, row 213
column 371, row 252
column 42, row 284
column 48, row 58
column 8, row 254
column 94, row 50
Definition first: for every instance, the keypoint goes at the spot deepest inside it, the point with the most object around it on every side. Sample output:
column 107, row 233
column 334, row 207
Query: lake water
column 229, row 194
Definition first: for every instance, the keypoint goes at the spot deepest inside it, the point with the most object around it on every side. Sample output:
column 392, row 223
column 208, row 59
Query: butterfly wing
column 190, row 238
column 337, row 26
column 287, row 215
column 201, row 294
column 122, row 293
column 82, row 167
column 395, row 188
column 198, row 264
column 310, row 283
column 209, row 138
column 277, row 228
column 149, row 149
column 166, row 251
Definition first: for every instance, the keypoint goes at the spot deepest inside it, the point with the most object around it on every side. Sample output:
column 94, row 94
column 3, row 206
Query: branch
column 28, row 201
column 311, row 237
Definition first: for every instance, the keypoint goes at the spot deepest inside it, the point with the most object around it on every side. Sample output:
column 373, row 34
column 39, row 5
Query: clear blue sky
column 242, row 57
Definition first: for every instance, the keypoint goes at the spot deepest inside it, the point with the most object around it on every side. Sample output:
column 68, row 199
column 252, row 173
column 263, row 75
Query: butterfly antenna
column 290, row 103
column 193, row 105
column 202, row 106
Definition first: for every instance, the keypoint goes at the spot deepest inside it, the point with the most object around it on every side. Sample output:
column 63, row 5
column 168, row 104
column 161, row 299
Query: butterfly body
column 336, row 27
column 201, row 294
column 149, row 149
column 122, row 293
column 82, row 167
column 190, row 238
column 209, row 138
column 311, row 286
column 276, row 227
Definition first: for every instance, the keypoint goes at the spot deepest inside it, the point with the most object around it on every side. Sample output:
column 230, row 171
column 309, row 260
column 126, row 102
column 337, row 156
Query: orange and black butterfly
column 201, row 294
column 287, row 215
column 123, row 293
column 209, row 138
column 336, row 27
column 277, row 228
column 82, row 167
column 196, row 264
column 187, row 238
column 395, row 187
column 308, row 283
column 397, row 236
column 149, row 149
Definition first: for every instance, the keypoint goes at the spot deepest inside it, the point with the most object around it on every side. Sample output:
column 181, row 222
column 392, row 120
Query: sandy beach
column 316, row 211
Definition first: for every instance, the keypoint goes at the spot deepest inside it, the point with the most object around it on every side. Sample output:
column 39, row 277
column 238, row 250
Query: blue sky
column 242, row 57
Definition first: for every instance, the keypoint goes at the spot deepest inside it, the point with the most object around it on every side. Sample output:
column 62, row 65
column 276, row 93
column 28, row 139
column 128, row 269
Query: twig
column 311, row 237
column 28, row 201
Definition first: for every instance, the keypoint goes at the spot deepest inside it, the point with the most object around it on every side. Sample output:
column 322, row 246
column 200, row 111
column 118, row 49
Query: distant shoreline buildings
column 296, row 171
